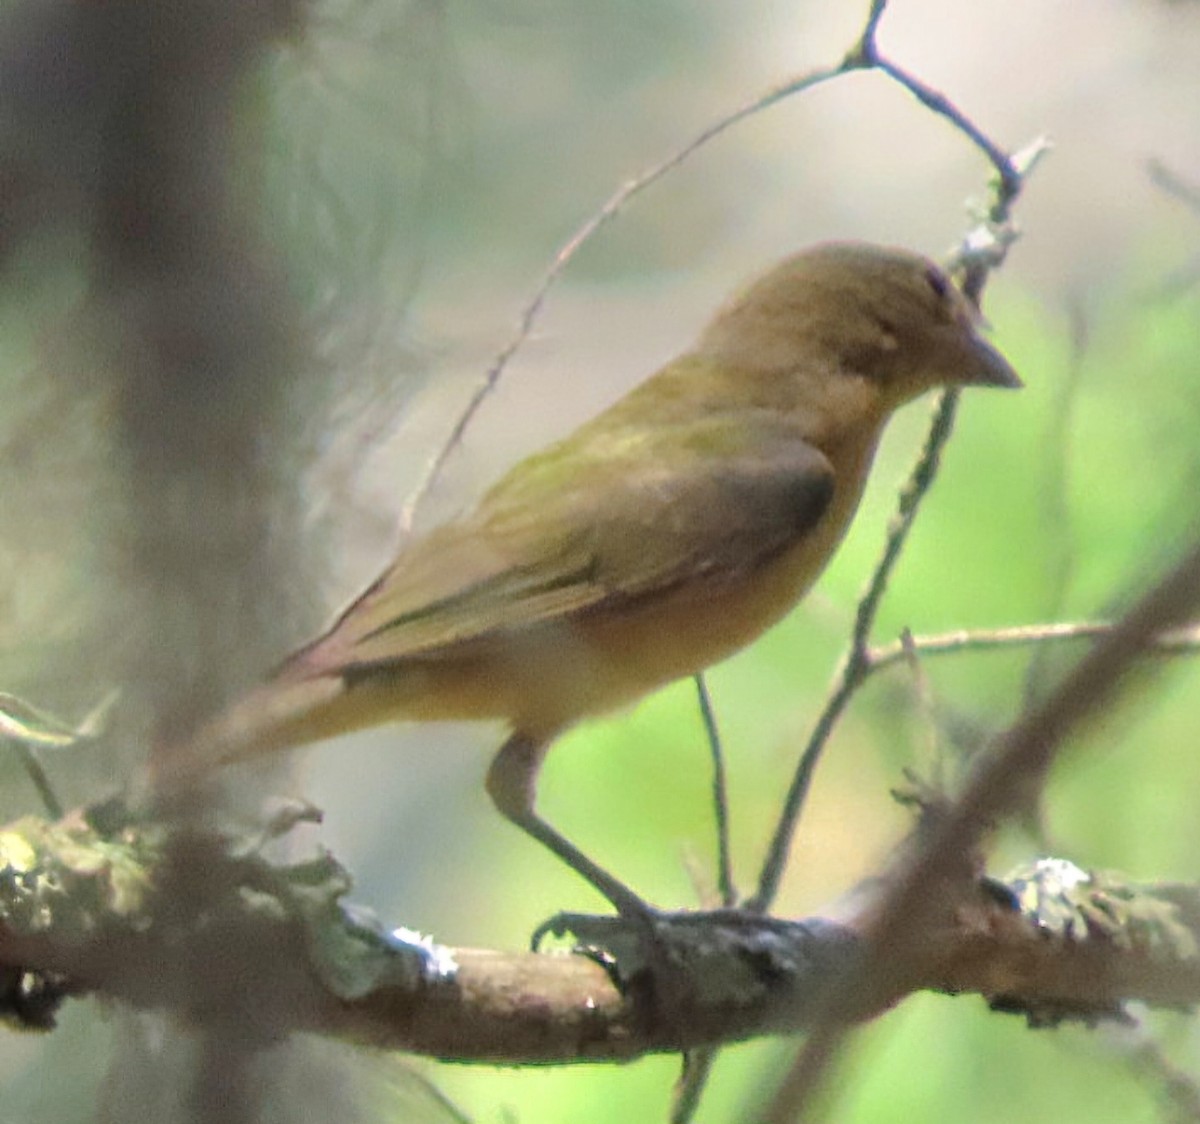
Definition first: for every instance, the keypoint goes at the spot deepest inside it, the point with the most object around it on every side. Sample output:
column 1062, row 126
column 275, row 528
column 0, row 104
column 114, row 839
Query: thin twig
column 720, row 792
column 855, row 667
column 39, row 778
column 934, row 770
column 1174, row 1086
column 1176, row 641
column 698, row 1064
column 935, row 100
column 697, row 1069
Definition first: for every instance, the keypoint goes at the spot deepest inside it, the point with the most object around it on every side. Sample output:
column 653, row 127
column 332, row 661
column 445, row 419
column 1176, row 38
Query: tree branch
column 85, row 911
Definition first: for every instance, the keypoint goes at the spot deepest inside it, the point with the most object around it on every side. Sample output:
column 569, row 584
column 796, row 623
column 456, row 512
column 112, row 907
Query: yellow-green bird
column 655, row 540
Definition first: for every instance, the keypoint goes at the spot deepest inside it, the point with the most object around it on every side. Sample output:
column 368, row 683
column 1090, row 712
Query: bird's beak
column 987, row 367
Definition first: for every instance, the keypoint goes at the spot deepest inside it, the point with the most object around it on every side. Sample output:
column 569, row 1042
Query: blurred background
column 255, row 258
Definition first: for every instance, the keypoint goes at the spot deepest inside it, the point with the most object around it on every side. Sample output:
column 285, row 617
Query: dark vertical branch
column 123, row 122
column 204, row 352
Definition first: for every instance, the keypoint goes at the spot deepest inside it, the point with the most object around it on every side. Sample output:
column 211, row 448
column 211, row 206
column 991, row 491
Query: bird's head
column 886, row 316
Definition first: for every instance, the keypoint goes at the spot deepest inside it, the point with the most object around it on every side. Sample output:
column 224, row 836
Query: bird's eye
column 938, row 282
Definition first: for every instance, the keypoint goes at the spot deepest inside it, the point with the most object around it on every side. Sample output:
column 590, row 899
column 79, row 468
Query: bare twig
column 697, row 1069
column 698, row 1064
column 854, row 668
column 933, row 770
column 725, row 888
column 1174, row 642
column 1174, row 1086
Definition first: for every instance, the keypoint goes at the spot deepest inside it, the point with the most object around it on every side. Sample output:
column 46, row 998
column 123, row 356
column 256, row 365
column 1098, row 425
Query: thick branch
column 82, row 912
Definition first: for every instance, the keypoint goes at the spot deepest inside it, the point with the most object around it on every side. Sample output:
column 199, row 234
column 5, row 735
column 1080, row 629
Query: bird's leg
column 512, row 785
column 656, row 972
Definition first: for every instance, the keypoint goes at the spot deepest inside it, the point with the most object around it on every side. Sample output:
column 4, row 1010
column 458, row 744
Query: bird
column 657, row 539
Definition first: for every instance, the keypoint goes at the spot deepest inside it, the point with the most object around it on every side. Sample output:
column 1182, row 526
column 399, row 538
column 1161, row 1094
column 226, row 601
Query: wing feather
column 588, row 526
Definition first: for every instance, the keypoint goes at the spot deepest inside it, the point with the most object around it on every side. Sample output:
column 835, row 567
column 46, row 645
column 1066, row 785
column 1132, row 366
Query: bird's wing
column 590, row 526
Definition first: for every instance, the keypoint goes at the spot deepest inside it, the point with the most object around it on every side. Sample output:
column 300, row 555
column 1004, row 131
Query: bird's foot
column 680, row 966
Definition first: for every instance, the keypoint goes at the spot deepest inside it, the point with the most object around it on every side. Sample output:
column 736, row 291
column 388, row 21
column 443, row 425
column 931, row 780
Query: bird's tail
column 281, row 714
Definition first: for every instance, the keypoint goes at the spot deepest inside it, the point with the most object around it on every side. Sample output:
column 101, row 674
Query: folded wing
column 589, row 527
